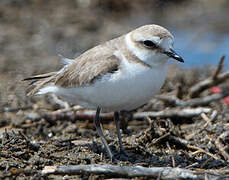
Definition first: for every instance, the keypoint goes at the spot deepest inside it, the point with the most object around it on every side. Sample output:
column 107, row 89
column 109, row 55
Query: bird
column 121, row 74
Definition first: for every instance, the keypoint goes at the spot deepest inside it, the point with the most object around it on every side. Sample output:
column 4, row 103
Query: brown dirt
column 32, row 33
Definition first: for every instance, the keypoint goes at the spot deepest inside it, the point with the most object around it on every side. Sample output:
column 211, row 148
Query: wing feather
column 82, row 71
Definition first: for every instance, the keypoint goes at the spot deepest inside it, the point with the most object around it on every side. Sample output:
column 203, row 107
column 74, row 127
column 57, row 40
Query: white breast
column 127, row 89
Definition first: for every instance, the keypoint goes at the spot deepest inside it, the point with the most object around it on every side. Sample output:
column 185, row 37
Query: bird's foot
column 122, row 155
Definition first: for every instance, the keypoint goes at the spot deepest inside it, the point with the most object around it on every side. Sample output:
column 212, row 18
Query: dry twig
column 220, row 146
column 219, row 68
column 128, row 172
column 212, row 81
column 203, row 101
column 199, row 150
column 60, row 102
column 171, row 113
column 8, row 109
column 72, row 115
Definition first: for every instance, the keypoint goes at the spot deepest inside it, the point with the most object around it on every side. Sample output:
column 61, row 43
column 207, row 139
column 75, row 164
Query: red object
column 215, row 90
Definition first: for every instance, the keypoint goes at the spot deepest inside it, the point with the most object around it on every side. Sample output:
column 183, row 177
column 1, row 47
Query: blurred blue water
column 200, row 49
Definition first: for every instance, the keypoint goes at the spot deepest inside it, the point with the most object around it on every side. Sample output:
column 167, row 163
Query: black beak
column 174, row 55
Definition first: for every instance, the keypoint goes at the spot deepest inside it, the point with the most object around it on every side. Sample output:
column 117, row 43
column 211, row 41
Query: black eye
column 149, row 44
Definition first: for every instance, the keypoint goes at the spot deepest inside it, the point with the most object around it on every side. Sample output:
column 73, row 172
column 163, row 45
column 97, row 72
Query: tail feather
column 38, row 82
column 41, row 76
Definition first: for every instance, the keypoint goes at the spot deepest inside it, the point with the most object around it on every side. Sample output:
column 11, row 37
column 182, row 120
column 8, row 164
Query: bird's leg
column 100, row 132
column 116, row 118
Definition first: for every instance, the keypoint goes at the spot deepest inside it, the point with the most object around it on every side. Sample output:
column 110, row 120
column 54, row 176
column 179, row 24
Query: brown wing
column 88, row 67
column 83, row 71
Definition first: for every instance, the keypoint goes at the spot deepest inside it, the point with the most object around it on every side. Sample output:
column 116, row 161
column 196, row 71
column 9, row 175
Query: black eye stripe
column 149, row 44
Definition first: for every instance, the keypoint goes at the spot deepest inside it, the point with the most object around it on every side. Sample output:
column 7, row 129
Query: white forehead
column 166, row 42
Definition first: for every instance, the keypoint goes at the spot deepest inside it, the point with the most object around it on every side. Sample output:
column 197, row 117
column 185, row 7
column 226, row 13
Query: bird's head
column 152, row 44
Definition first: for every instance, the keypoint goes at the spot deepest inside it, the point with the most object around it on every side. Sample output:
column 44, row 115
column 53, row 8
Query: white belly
column 125, row 90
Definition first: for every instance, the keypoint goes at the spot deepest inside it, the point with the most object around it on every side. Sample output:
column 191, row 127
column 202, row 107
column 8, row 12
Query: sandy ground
column 37, row 132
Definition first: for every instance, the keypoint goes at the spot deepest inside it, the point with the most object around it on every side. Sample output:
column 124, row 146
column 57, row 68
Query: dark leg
column 116, row 118
column 100, row 132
